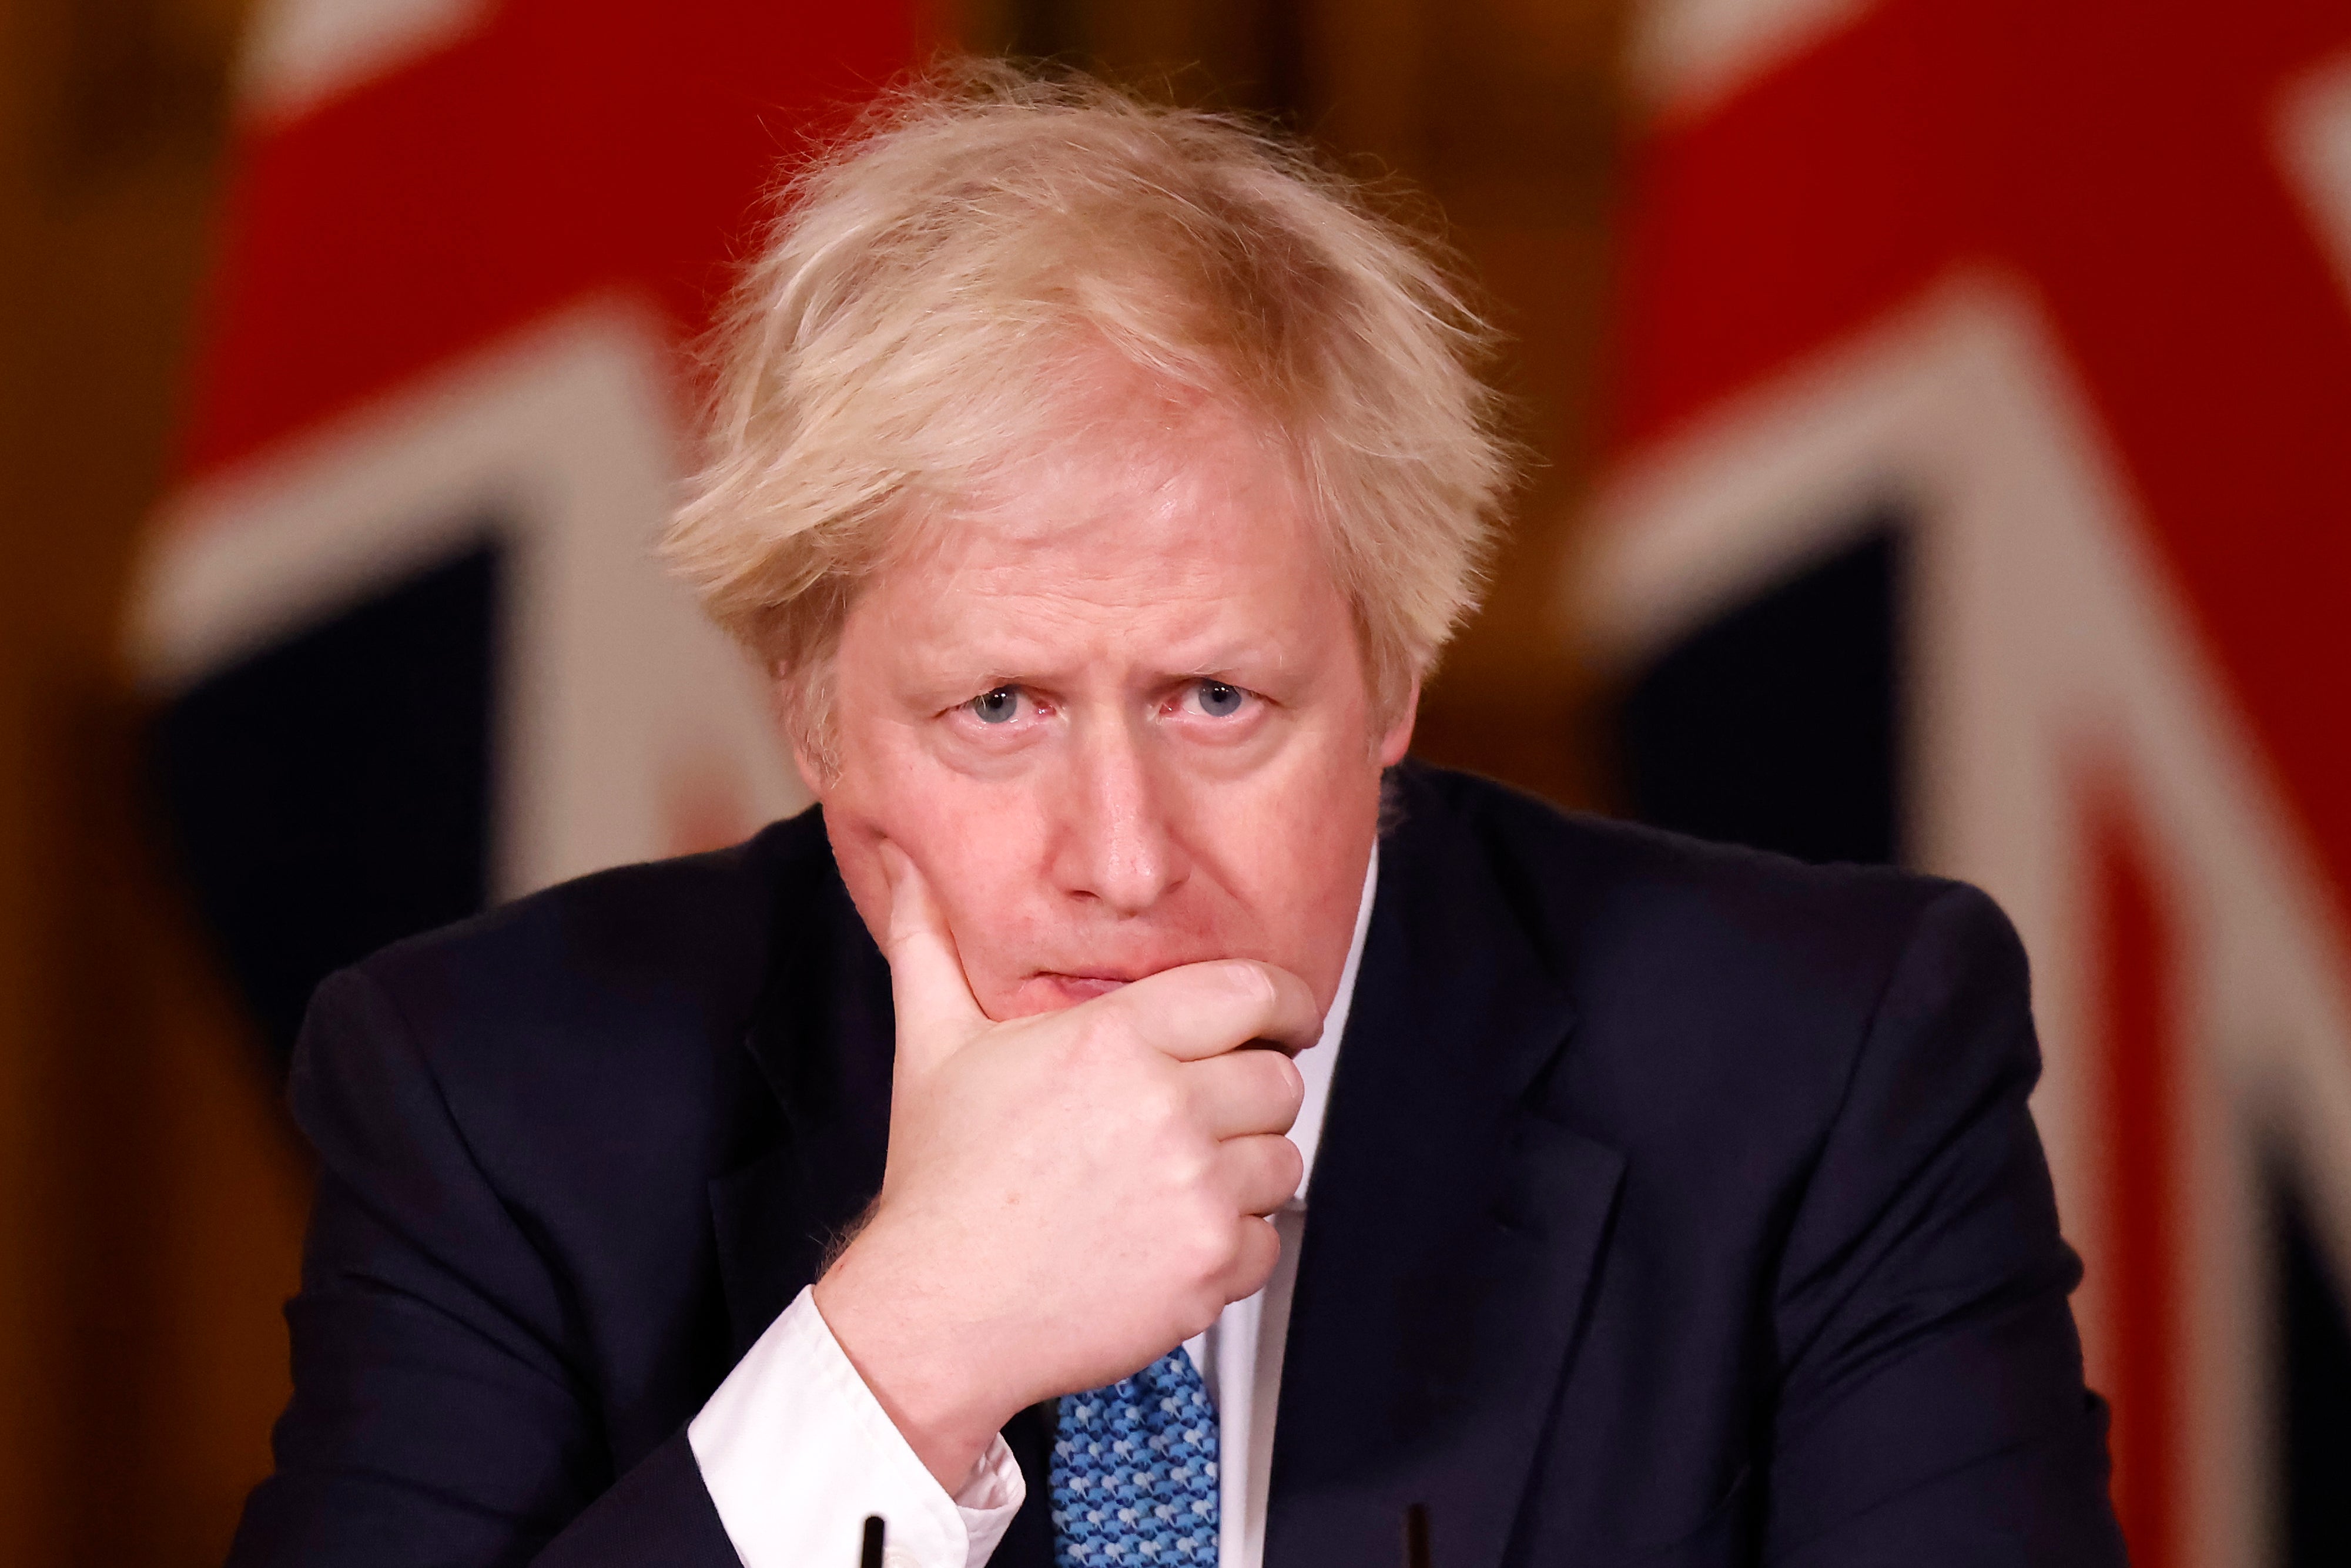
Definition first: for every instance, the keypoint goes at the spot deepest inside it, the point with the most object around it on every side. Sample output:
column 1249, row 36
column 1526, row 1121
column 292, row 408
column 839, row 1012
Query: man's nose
column 1115, row 843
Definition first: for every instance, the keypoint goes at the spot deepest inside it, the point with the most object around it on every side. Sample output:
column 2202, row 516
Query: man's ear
column 1398, row 738
column 787, row 701
column 810, row 775
column 819, row 768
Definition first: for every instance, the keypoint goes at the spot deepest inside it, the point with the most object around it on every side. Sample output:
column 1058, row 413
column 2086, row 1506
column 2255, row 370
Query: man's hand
column 1068, row 1196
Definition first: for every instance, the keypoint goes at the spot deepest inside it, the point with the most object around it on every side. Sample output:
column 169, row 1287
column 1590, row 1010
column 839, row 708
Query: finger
column 1262, row 1171
column 933, row 1001
column 1243, row 1091
column 1257, row 1247
column 1203, row 1010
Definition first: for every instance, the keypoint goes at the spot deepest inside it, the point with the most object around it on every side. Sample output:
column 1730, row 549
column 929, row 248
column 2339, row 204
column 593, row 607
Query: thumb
column 933, row 1001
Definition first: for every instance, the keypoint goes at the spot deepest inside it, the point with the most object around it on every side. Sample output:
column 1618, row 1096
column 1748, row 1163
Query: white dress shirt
column 795, row 1451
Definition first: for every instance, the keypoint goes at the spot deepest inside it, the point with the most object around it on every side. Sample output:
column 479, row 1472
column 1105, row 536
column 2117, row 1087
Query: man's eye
column 1218, row 700
column 998, row 706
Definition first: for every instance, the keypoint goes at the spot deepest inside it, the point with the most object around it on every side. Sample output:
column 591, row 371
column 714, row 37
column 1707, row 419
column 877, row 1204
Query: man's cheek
column 995, row 918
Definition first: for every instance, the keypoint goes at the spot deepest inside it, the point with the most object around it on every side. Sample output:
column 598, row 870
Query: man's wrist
column 935, row 1389
column 796, row 1452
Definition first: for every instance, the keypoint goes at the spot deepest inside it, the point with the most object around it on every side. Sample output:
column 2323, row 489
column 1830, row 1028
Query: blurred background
column 1945, row 417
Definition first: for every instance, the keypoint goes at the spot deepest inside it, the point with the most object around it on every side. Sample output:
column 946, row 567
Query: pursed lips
column 1068, row 987
column 1082, row 988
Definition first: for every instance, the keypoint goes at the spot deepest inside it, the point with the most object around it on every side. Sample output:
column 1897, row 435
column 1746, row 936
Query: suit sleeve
column 1932, row 1408
column 439, row 1415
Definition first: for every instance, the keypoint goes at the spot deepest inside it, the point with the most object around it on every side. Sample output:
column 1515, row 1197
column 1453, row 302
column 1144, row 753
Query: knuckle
column 1073, row 1068
column 1199, row 1241
column 1211, row 1245
column 1158, row 1105
column 1098, row 1044
column 1192, row 1168
column 1199, row 1311
column 1095, row 1035
column 1063, row 1050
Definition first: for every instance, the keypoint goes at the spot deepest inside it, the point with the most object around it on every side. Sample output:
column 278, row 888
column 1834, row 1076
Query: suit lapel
column 822, row 1039
column 1451, row 1230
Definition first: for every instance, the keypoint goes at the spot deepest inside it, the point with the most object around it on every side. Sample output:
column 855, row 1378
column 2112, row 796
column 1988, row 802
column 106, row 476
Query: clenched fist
column 1068, row 1196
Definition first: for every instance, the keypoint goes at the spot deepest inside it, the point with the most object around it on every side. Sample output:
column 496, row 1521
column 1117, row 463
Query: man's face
column 1120, row 722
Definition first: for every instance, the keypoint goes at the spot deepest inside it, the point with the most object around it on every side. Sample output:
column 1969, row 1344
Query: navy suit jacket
column 1675, row 1205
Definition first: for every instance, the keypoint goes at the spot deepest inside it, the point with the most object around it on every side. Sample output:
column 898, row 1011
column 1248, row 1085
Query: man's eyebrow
column 1255, row 655
column 952, row 669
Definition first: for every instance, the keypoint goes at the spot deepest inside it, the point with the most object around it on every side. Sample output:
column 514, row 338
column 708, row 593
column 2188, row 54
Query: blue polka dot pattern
column 1134, row 1471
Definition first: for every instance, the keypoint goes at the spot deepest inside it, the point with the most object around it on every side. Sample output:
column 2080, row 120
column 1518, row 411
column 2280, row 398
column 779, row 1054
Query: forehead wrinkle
column 1097, row 581
column 1088, row 572
column 1061, row 634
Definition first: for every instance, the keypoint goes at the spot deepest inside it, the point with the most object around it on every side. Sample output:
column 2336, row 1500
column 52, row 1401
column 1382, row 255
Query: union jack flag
column 400, row 613
column 1982, row 498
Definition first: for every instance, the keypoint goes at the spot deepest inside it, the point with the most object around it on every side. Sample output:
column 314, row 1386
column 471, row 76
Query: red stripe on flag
column 569, row 147
column 2120, row 158
column 2139, row 1055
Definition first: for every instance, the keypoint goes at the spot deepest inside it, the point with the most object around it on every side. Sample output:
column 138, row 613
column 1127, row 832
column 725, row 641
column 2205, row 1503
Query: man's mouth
column 1082, row 988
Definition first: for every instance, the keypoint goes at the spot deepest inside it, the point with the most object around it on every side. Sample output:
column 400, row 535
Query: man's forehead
column 1036, row 637
column 1101, row 530
column 1154, row 539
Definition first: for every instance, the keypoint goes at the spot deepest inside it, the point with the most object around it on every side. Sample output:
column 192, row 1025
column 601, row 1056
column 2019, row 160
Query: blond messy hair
column 921, row 309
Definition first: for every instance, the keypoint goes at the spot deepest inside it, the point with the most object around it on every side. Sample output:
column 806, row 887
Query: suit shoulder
column 635, row 976
column 586, row 1040
column 1629, row 907
column 1725, row 998
column 1519, row 827
column 702, row 915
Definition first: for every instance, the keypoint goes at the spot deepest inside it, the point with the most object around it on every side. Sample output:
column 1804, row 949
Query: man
column 1098, row 482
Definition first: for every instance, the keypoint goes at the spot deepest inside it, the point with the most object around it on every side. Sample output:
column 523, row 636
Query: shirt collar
column 1315, row 1064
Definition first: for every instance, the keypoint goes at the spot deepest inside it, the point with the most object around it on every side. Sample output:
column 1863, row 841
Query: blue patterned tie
column 1134, row 1470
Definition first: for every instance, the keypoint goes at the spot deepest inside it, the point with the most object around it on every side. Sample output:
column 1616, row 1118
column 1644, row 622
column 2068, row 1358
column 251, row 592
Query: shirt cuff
column 795, row 1451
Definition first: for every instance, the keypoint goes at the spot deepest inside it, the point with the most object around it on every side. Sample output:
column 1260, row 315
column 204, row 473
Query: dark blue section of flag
column 2312, row 1374
column 1775, row 725
column 331, row 793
